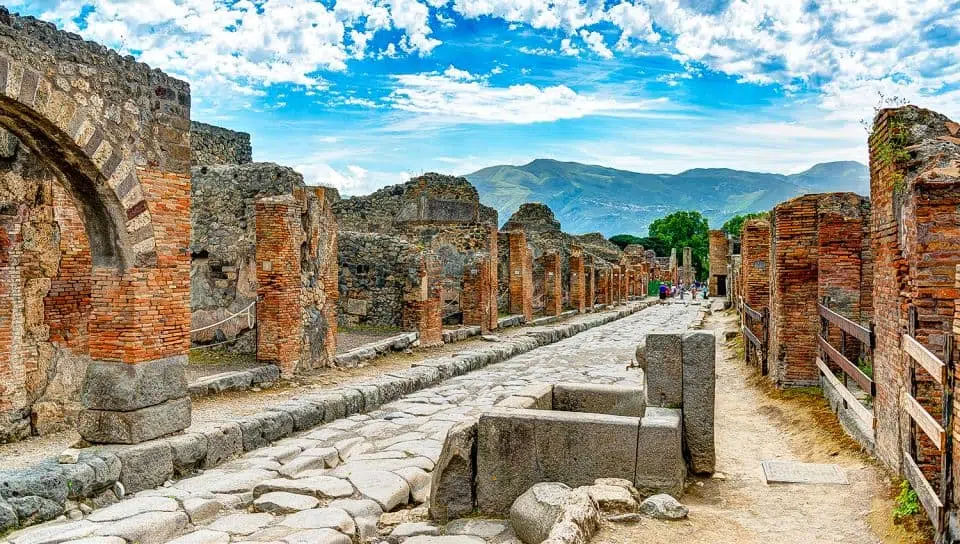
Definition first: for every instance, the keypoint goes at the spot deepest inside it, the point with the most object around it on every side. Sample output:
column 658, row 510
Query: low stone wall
column 376, row 273
column 97, row 470
column 215, row 145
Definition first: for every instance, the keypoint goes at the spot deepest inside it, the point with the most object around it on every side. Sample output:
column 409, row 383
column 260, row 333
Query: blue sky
column 363, row 93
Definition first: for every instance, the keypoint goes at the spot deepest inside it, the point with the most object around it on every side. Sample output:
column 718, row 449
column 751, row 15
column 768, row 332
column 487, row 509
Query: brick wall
column 475, row 300
column 552, row 288
column 755, row 263
column 423, row 303
column 521, row 275
column 279, row 317
column 67, row 304
column 719, row 261
column 577, row 281
column 793, row 292
column 589, row 280
column 915, row 228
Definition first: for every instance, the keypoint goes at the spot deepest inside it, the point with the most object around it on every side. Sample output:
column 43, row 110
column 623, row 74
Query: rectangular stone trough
column 575, row 433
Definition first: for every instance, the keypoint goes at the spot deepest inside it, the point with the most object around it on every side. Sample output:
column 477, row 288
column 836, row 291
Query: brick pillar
column 475, row 299
column 578, row 295
column 625, row 283
column 755, row 266
column 589, row 281
column 521, row 276
column 493, row 313
column 843, row 246
column 915, row 195
column 552, row 284
column 688, row 267
column 615, row 284
column 279, row 313
column 423, row 300
column 719, row 262
column 793, row 291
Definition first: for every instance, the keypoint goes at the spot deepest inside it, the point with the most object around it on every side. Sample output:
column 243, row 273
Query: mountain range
column 589, row 198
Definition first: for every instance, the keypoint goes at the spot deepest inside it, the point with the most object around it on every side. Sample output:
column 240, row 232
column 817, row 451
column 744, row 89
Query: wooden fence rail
column 755, row 344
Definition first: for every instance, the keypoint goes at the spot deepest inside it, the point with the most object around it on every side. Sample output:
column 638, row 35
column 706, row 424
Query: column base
column 133, row 427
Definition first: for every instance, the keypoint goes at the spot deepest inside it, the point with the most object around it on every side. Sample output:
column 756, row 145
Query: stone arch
column 96, row 169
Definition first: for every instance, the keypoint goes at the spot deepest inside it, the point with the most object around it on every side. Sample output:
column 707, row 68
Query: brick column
column 688, row 267
column 13, row 392
column 423, row 300
column 475, row 299
column 718, row 261
column 279, row 313
column 552, row 284
column 793, row 291
column 521, row 276
column 578, row 295
column 589, row 281
column 755, row 266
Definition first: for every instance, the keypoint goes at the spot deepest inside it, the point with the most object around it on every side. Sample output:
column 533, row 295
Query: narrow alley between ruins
column 386, row 456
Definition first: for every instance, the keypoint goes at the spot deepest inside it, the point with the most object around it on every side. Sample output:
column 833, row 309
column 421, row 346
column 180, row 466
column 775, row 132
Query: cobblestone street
column 336, row 481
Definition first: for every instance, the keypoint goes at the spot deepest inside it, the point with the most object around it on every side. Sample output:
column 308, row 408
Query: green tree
column 656, row 244
column 685, row 229
column 734, row 225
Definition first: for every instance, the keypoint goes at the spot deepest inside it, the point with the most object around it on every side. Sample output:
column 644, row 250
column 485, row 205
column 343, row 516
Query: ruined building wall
column 442, row 215
column 755, row 263
column 817, row 250
column 376, row 271
column 553, row 290
column 223, row 277
column 915, row 226
column 45, row 272
column 211, row 145
column 719, row 262
column 295, row 259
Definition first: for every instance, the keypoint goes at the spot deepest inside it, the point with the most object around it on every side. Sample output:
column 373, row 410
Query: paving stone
column 203, row 536
column 365, row 513
column 482, row 528
column 53, row 532
column 201, row 509
column 241, row 524
column 460, row 539
column 317, row 486
column 419, row 482
column 100, row 540
column 278, row 453
column 410, row 529
column 220, row 481
column 663, row 506
column 388, row 489
column 134, row 506
column 612, row 499
column 146, row 528
column 535, row 512
column 282, row 502
column 318, row 536
column 321, row 518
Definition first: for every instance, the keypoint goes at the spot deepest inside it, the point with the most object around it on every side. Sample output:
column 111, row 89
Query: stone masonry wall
column 553, row 290
column 578, row 285
column 223, row 278
column 376, row 271
column 211, row 145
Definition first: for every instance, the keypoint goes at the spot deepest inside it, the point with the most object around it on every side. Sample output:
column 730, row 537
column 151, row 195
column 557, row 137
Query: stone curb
column 261, row 376
column 98, row 470
column 356, row 356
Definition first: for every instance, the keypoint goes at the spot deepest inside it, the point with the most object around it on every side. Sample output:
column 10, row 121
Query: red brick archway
column 116, row 134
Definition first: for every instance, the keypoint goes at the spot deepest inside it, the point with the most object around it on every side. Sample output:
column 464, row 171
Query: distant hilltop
column 589, row 198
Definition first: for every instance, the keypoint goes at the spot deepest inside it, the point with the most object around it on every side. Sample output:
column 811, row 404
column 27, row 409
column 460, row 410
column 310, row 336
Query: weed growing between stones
column 907, row 503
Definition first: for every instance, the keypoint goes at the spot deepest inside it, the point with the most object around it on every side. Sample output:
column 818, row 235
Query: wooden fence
column 755, row 344
column 850, row 331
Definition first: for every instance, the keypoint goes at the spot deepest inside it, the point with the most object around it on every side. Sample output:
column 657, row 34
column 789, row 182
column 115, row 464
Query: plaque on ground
column 790, row 472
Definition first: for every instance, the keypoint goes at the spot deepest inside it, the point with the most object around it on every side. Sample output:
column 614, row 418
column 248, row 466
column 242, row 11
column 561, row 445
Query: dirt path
column 754, row 423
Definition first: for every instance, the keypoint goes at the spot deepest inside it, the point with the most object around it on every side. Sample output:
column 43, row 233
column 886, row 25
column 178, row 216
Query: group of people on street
column 698, row 288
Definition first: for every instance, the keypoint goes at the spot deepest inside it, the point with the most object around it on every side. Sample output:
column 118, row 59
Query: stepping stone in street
column 791, row 472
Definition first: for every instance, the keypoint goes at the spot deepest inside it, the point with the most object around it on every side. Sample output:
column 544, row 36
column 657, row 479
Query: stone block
column 660, row 467
column 264, row 375
column 305, row 414
column 518, row 448
column 535, row 512
column 127, row 387
column 452, row 490
column 145, row 466
column 136, row 426
column 699, row 384
column 664, row 370
column 223, row 442
column 189, row 450
column 614, row 400
column 261, row 429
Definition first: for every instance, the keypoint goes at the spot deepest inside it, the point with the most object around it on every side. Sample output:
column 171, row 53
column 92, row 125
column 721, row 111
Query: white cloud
column 567, row 48
column 594, row 41
column 634, row 22
column 456, row 74
column 539, row 51
column 476, row 101
column 350, row 180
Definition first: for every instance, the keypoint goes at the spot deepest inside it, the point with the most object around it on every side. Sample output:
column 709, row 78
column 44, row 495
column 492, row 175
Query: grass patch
column 370, row 329
column 215, row 356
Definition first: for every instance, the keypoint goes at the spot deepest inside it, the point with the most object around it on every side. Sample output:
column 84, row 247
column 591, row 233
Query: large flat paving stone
column 317, row 486
column 322, row 518
column 386, row 488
